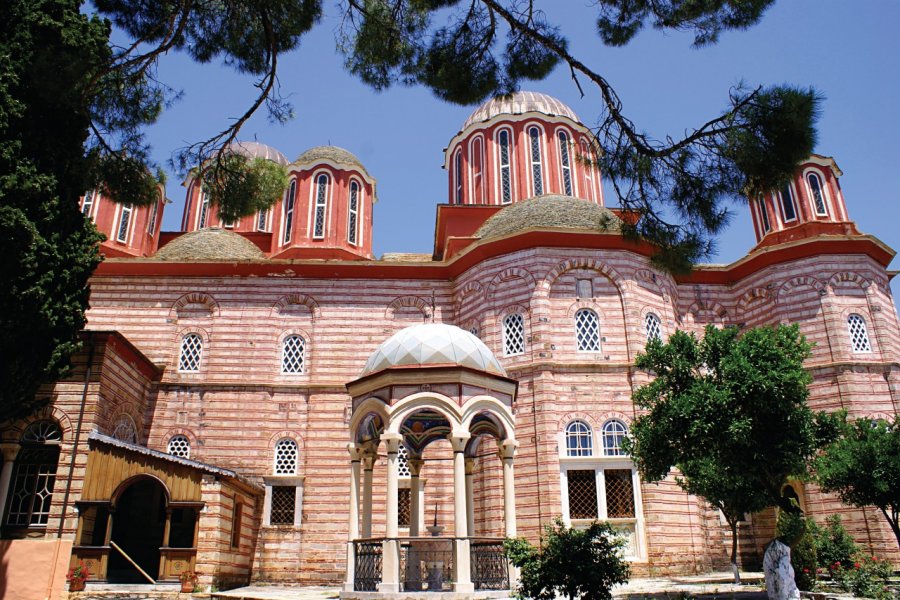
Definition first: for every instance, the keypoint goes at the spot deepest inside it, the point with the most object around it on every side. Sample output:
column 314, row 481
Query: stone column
column 368, row 463
column 470, row 497
column 462, row 557
column 390, row 561
column 9, row 451
column 507, row 452
column 356, row 454
column 415, row 467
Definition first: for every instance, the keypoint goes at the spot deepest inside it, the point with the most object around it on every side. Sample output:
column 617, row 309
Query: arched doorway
column 139, row 523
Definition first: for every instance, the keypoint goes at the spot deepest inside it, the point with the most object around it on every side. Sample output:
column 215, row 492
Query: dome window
column 477, row 157
column 788, row 210
column 262, row 220
column 503, row 144
column 289, row 210
column 764, row 215
column 87, row 204
column 818, row 195
column 537, row 169
column 203, row 217
column 565, row 161
column 588, row 170
column 124, row 224
column 457, row 177
column 353, row 217
column 321, row 202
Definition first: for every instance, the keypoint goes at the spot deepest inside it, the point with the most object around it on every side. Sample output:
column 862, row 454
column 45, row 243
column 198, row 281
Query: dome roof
column 550, row 210
column 519, row 103
column 209, row 244
column 432, row 344
column 257, row 150
column 333, row 154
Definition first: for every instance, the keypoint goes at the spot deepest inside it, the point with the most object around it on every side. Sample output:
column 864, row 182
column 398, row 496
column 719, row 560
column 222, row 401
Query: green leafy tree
column 729, row 412
column 863, row 467
column 572, row 563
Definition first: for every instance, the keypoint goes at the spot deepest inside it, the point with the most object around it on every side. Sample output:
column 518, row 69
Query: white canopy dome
column 433, row 344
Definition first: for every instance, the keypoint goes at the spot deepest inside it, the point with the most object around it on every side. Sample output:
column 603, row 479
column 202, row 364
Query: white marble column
column 10, row 451
column 353, row 519
column 462, row 557
column 415, row 467
column 390, row 562
column 368, row 463
column 507, row 452
column 470, row 497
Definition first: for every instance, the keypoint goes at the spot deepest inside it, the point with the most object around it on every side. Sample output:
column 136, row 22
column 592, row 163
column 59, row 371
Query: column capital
column 356, row 452
column 415, row 466
column 9, row 450
column 368, row 461
column 459, row 440
column 392, row 442
column 507, row 448
column 470, row 466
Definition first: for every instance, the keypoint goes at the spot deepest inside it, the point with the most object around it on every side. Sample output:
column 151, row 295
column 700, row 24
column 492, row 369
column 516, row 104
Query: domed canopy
column 257, row 150
column 519, row 103
column 433, row 344
column 209, row 244
column 332, row 154
column 550, row 211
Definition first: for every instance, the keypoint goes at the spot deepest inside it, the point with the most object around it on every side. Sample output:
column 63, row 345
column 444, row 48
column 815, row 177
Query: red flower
column 855, row 565
column 805, row 570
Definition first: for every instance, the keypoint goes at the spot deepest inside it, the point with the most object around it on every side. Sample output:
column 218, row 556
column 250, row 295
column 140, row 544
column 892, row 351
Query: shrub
column 795, row 530
column 834, row 544
column 866, row 577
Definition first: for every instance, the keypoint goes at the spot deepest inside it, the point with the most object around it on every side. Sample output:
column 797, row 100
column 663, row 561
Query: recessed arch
column 581, row 263
column 407, row 302
column 194, row 305
column 283, row 305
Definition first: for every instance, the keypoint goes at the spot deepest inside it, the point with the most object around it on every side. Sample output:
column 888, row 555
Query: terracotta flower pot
column 76, row 585
column 187, row 586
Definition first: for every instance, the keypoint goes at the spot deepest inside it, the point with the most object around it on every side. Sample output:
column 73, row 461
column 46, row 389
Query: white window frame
column 202, row 208
column 182, row 348
column 652, row 316
column 182, row 441
column 863, row 326
column 579, row 330
column 262, row 216
column 351, row 229
column 606, row 450
column 154, row 214
column 457, row 177
column 476, row 152
column 536, row 166
column 87, row 204
column 812, row 194
column 290, row 208
column 505, row 327
column 580, row 451
column 510, row 156
column 565, row 162
column 302, row 354
column 588, row 168
column 782, row 204
column 764, row 223
column 124, row 221
column 322, row 201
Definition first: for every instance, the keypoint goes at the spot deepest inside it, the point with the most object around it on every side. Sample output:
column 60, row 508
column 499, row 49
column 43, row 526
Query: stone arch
column 296, row 300
column 576, row 416
column 49, row 413
column 194, row 302
column 488, row 405
column 848, row 277
column 753, row 296
column 413, row 302
column 581, row 263
column 802, row 281
column 603, row 417
column 701, row 306
column 472, row 288
column 413, row 403
column 367, row 409
column 508, row 275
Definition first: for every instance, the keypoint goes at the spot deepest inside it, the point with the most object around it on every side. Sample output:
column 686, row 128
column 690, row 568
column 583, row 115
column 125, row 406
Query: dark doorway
column 139, row 522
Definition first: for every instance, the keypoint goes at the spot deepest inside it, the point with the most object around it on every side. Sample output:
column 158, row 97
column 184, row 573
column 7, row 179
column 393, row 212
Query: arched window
column 477, row 159
column 587, row 330
column 859, row 335
column 587, row 168
column 125, row 430
column 203, row 217
column 191, row 353
column 817, row 193
column 537, row 169
column 179, row 445
column 285, row 457
column 154, row 214
column 289, row 210
column 565, row 161
column 788, row 210
column 579, row 439
column 353, row 217
column 513, row 334
column 293, row 351
column 31, row 485
column 614, row 431
column 322, row 181
column 262, row 220
column 457, row 178
column 403, row 462
column 87, row 204
column 124, row 223
column 764, row 215
column 504, row 149
column 653, row 327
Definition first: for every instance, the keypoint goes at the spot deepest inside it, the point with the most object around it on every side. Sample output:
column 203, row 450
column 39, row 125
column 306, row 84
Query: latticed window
column 582, row 486
column 815, row 187
column 289, row 202
column 579, row 439
column 587, row 330
column 859, row 335
column 404, row 507
column 403, row 462
column 124, row 223
column 503, row 141
column 537, row 172
column 191, row 352
column 321, row 200
column 31, row 485
column 284, row 503
column 614, row 432
column 565, row 162
column 353, row 218
column 125, row 430
column 653, row 327
column 286, row 457
column 513, row 334
column 619, row 494
column 293, row 350
column 179, row 445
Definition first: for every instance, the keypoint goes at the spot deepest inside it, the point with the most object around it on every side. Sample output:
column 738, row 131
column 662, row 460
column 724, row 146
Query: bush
column 833, row 544
column 795, row 530
column 573, row 563
column 866, row 577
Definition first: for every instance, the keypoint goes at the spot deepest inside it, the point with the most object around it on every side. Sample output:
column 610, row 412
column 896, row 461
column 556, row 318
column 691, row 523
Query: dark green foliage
column 796, row 531
column 247, row 185
column 863, row 467
column 834, row 546
column 572, row 563
column 729, row 412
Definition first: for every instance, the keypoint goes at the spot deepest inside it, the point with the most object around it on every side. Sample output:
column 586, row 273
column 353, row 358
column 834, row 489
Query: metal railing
column 490, row 570
column 426, row 564
column 367, row 575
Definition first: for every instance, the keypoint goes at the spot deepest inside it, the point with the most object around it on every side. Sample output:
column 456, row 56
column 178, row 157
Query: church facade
column 266, row 401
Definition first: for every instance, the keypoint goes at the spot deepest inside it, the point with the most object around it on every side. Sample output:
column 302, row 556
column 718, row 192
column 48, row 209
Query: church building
column 266, row 401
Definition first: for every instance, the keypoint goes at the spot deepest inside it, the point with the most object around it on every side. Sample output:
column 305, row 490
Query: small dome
column 209, row 244
column 550, row 211
column 257, row 150
column 519, row 103
column 432, row 344
column 332, row 154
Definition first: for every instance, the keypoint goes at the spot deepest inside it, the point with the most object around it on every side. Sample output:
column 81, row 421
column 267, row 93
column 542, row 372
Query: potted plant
column 188, row 581
column 76, row 577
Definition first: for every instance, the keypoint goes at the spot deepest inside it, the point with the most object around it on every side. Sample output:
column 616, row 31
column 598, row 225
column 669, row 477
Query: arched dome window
column 34, row 475
column 579, row 439
column 587, row 330
column 289, row 202
column 764, row 215
column 476, row 155
column 262, row 220
column 504, row 162
column 87, row 203
column 321, row 203
column 614, row 432
column 565, row 161
column 788, row 208
column 203, row 216
column 179, row 445
column 652, row 327
column 124, row 223
column 859, row 334
column 293, row 352
column 353, row 216
column 588, row 169
column 457, row 178
column 191, row 353
column 537, row 160
column 818, row 194
column 513, row 334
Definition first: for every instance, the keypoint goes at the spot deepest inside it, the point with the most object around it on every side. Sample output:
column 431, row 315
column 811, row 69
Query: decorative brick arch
column 472, row 288
column 201, row 298
column 703, row 306
column 803, row 281
column 603, row 417
column 753, row 297
column 49, row 413
column 296, row 300
column 576, row 416
column 509, row 275
column 581, row 263
column 407, row 302
column 848, row 277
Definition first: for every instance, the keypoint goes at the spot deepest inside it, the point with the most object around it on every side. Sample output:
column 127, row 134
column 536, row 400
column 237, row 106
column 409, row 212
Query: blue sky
column 849, row 51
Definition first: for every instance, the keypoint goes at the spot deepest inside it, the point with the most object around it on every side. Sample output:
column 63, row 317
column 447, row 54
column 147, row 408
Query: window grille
column 859, row 335
column 619, row 494
column 31, row 490
column 579, row 439
column 124, row 223
column 815, row 186
column 403, row 462
column 284, row 502
column 457, row 173
column 154, row 212
column 764, row 214
column 505, row 167
column 125, row 430
column 179, row 445
column 653, row 327
column 191, row 353
column 88, row 203
column 404, row 507
column 289, row 210
column 204, row 209
column 474, row 330
column 587, row 330
column 582, row 486
column 286, row 457
column 565, row 162
column 293, row 350
column 40, row 432
column 513, row 335
column 537, row 174
column 321, row 200
column 787, row 204
column 613, row 433
column 352, row 220
column 584, row 288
